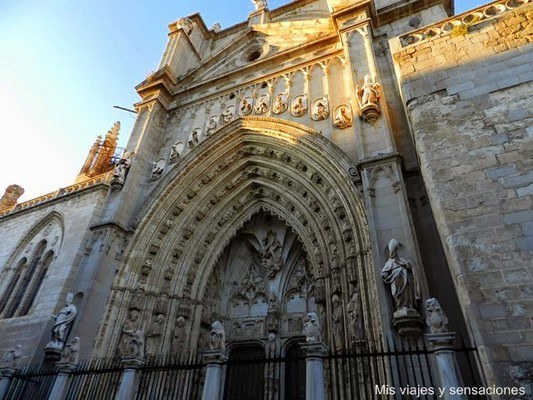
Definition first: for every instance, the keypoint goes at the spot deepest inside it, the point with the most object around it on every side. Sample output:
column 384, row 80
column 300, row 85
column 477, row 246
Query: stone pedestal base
column 370, row 113
column 52, row 354
column 213, row 377
column 408, row 322
column 117, row 184
column 314, row 370
column 5, row 380
column 447, row 367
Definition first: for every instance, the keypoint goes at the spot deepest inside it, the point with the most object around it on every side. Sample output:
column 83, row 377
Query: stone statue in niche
column 178, row 335
column 342, row 117
column 157, row 169
column 128, row 330
column 217, row 337
column 336, row 318
column 71, row 353
column 10, row 359
column 175, row 152
column 280, row 103
column 320, row 109
column 228, row 114
column 311, row 328
column 121, row 168
column 185, row 24
column 399, row 274
column 271, row 256
column 299, row 106
column 136, row 344
column 259, row 4
column 436, row 319
column 211, row 126
column 261, row 105
column 246, row 106
column 274, row 314
column 154, row 334
column 193, row 139
column 62, row 324
column 136, row 302
column 354, row 312
column 368, row 95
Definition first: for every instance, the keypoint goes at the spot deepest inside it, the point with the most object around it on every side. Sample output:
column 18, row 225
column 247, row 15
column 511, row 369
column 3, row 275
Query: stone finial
column 217, row 336
column 70, row 353
column 186, row 24
column 10, row 359
column 436, row 319
column 311, row 328
column 216, row 27
column 259, row 4
column 10, row 197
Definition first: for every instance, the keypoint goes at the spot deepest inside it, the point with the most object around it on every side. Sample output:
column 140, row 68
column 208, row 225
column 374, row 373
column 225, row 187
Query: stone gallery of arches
column 329, row 200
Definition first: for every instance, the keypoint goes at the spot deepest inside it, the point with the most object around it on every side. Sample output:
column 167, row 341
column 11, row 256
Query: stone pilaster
column 5, row 380
column 213, row 378
column 447, row 367
column 128, row 383
column 314, row 370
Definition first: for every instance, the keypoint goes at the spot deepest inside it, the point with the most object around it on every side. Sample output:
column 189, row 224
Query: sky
column 63, row 66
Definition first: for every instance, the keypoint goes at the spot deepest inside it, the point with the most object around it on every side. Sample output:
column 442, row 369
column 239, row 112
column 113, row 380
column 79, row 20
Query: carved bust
column 436, row 320
column 311, row 328
column 217, row 337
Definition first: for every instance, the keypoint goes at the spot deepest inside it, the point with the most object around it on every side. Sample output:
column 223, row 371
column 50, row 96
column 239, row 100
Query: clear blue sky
column 63, row 66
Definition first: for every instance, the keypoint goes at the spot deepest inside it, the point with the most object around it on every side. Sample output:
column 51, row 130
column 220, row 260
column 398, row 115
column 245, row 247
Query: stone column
column 314, row 370
column 128, row 384
column 5, row 380
column 213, row 377
column 447, row 367
column 60, row 387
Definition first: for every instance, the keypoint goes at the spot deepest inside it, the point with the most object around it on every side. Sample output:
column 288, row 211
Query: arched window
column 36, row 282
column 28, row 275
column 12, row 283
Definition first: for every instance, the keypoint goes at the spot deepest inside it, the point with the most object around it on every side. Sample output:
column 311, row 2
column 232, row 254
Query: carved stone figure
column 436, row 319
column 154, row 334
column 246, row 106
column 299, row 106
column 128, row 331
column 259, row 4
column 136, row 345
column 175, row 152
column 228, row 115
column 216, row 27
column 217, row 337
column 271, row 255
column 62, row 324
column 368, row 95
column 336, row 318
column 320, row 109
column 157, row 169
column 193, row 141
column 121, row 168
column 343, row 117
column 311, row 328
column 354, row 312
column 211, row 126
column 10, row 197
column 280, row 103
column 71, row 352
column 178, row 337
column 261, row 105
column 185, row 24
column 399, row 274
column 10, row 359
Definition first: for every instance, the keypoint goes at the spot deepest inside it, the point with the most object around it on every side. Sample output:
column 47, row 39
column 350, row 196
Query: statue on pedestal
column 368, row 95
column 311, row 328
column 217, row 337
column 62, row 324
column 71, row 352
column 259, row 4
column 436, row 320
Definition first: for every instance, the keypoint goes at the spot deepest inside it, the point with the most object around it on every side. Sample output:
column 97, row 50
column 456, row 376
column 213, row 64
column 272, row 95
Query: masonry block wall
column 468, row 98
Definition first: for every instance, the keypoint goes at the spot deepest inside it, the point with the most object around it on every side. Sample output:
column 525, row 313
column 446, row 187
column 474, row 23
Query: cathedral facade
column 339, row 159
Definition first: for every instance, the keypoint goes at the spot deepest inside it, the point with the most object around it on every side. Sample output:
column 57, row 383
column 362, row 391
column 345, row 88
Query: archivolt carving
column 253, row 164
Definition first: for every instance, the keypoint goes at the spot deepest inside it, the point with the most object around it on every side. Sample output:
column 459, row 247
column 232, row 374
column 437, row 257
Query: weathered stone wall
column 468, row 98
column 73, row 214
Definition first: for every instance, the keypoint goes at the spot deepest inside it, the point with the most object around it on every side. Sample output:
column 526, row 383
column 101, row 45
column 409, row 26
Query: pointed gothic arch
column 248, row 165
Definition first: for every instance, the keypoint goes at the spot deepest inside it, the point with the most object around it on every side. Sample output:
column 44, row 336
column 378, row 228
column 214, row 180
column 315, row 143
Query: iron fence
column 95, row 379
column 31, row 382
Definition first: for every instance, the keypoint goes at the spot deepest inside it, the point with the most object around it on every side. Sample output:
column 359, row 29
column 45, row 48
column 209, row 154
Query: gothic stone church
column 271, row 165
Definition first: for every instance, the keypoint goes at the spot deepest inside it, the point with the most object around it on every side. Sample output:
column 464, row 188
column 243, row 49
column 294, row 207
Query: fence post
column 6, row 374
column 61, row 382
column 314, row 370
column 128, row 383
column 447, row 367
column 213, row 379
